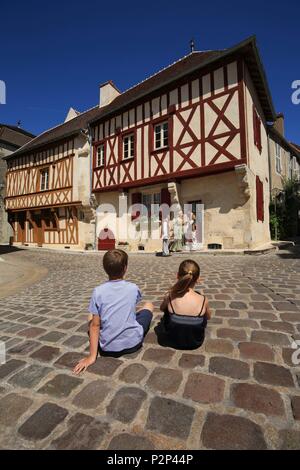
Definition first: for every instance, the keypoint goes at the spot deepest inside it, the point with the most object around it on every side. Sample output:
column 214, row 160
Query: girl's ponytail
column 188, row 274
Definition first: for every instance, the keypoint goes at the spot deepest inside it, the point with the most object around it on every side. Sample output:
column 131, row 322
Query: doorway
column 38, row 234
column 21, row 228
column 106, row 240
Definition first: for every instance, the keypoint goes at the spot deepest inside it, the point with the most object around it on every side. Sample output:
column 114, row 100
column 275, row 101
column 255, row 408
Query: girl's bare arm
column 207, row 310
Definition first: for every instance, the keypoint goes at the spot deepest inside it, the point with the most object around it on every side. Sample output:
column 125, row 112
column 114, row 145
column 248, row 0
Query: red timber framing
column 206, row 130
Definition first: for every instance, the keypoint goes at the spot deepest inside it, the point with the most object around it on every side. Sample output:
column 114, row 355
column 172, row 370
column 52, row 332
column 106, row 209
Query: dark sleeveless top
column 185, row 331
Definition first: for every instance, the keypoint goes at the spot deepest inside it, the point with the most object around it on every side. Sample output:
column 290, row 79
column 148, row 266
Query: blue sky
column 54, row 55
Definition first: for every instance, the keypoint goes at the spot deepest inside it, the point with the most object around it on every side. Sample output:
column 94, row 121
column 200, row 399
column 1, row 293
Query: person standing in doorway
column 178, row 233
column 165, row 235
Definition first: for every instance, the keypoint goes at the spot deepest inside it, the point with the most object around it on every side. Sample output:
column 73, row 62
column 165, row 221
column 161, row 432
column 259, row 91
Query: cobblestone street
column 240, row 390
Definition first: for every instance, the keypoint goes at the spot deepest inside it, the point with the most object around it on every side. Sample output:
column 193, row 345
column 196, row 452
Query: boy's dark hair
column 114, row 263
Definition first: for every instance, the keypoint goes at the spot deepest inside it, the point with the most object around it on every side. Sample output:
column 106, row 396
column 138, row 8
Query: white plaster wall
column 81, row 171
column 226, row 208
column 258, row 164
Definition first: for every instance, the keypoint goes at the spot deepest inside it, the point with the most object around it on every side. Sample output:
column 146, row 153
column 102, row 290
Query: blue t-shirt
column 115, row 303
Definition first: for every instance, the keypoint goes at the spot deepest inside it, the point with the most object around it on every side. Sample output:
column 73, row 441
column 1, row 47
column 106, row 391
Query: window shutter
column 136, row 198
column 259, row 200
column 165, row 198
column 257, row 129
column 259, row 133
column 254, row 126
column 262, row 201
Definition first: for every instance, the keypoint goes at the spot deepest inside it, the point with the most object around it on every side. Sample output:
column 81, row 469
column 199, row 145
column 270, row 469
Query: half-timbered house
column 48, row 187
column 11, row 138
column 194, row 132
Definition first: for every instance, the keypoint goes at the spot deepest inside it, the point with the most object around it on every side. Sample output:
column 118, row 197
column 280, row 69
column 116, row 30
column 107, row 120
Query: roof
column 180, row 68
column 296, row 146
column 193, row 62
column 17, row 129
column 64, row 130
column 14, row 136
column 295, row 149
column 183, row 67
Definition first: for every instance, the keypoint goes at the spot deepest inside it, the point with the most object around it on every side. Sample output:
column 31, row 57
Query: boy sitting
column 115, row 318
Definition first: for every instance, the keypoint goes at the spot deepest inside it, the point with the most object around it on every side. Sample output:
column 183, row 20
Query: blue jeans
column 143, row 317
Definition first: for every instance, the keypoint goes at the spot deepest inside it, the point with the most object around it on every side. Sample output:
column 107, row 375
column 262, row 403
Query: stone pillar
column 174, row 190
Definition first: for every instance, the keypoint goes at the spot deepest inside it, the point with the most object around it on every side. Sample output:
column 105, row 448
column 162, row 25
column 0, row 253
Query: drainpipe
column 269, row 164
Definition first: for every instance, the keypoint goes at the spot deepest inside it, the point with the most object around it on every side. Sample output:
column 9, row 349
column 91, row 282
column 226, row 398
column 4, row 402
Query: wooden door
column 106, row 240
column 21, row 228
column 197, row 220
column 38, row 233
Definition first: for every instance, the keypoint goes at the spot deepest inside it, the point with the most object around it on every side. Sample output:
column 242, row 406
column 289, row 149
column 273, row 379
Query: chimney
column 108, row 92
column 279, row 123
column 72, row 113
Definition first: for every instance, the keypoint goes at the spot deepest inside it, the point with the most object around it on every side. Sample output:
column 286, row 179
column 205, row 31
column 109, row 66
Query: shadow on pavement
column 4, row 249
column 290, row 252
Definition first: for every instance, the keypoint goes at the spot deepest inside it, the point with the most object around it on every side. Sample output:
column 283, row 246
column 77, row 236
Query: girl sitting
column 186, row 311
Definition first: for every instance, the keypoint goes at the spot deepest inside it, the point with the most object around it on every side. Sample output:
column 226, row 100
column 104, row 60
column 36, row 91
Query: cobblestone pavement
column 240, row 390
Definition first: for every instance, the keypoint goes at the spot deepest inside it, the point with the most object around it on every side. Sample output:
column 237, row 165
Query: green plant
column 284, row 208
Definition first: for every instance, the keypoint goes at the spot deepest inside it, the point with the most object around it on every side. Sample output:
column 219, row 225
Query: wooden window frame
column 126, row 135
column 96, row 146
column 122, row 135
column 155, row 122
column 40, row 179
column 278, row 158
column 162, row 137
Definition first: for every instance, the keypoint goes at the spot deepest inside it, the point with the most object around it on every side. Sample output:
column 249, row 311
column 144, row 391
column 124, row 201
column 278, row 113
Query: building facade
column 194, row 132
column 284, row 157
column 48, row 187
column 11, row 139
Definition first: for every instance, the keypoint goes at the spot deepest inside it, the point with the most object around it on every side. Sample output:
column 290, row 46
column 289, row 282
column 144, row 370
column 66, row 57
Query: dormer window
column 161, row 137
column 100, row 155
column 44, row 179
column 128, row 146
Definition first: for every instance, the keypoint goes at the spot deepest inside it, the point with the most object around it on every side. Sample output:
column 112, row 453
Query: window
column 257, row 130
column 136, row 198
column 291, row 167
column 298, row 169
column 44, row 179
column 161, row 135
column 128, row 146
column 277, row 158
column 295, row 173
column 49, row 219
column 148, row 201
column 100, row 155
